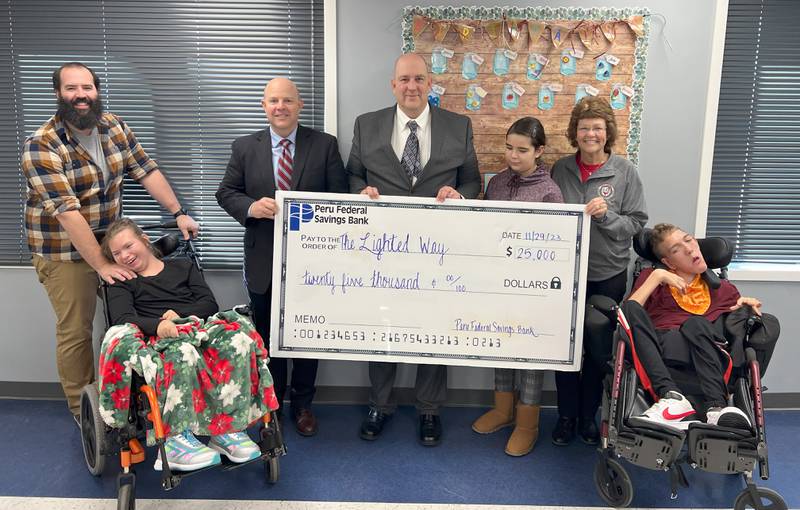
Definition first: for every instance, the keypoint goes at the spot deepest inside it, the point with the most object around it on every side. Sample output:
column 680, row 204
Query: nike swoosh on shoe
column 669, row 416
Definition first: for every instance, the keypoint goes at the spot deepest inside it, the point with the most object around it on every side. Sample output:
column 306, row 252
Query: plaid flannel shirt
column 62, row 177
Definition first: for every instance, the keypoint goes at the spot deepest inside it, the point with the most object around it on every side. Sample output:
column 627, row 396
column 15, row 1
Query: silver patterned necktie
column 410, row 159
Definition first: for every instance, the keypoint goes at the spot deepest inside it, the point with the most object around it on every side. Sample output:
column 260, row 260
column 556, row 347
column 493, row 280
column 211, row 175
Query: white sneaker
column 730, row 416
column 237, row 446
column 186, row 453
column 673, row 411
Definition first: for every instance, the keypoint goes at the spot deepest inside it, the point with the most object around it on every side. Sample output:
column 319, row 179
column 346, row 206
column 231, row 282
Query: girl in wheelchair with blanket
column 208, row 368
column 673, row 308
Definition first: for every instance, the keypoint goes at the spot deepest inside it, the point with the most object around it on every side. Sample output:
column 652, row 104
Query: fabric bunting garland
column 420, row 24
column 440, row 29
column 609, row 31
column 464, row 31
column 507, row 31
column 535, row 29
column 493, row 29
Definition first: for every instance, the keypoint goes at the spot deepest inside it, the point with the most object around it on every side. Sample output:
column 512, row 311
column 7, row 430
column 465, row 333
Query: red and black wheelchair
column 712, row 448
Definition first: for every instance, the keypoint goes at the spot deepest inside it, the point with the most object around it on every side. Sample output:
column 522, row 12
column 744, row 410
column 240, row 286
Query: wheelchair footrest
column 723, row 456
column 271, row 439
column 648, row 451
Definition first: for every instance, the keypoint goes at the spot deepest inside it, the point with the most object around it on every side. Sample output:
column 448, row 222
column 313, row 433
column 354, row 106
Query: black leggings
column 579, row 393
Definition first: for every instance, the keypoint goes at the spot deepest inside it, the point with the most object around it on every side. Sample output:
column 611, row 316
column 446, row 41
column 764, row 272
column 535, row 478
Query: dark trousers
column 579, row 393
column 430, row 387
column 304, row 371
column 698, row 334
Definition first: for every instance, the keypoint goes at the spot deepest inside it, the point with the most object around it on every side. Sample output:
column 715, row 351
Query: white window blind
column 187, row 77
column 755, row 184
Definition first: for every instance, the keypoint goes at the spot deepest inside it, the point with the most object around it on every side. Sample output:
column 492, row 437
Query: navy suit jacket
column 250, row 176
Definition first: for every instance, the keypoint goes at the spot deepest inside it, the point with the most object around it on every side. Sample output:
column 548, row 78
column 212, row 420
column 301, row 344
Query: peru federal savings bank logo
column 338, row 214
column 299, row 213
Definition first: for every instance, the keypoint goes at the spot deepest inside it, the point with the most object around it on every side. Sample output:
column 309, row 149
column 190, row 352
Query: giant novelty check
column 464, row 282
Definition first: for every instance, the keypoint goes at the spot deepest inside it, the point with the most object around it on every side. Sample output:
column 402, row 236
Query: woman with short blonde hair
column 610, row 187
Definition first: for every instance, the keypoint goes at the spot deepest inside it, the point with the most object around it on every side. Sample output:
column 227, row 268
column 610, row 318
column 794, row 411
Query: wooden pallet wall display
column 548, row 56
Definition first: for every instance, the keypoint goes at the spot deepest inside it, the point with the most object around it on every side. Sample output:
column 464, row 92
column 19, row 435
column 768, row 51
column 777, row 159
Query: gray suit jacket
column 250, row 176
column 453, row 162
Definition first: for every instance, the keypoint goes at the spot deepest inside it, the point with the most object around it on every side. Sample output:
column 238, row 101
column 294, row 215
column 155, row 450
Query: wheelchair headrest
column 717, row 251
column 167, row 244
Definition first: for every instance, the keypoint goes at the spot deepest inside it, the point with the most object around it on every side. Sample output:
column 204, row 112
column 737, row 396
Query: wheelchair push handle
column 169, row 225
column 752, row 323
column 100, row 233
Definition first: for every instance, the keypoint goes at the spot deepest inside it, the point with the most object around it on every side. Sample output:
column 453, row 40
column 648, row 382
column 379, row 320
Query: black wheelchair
column 709, row 448
column 100, row 441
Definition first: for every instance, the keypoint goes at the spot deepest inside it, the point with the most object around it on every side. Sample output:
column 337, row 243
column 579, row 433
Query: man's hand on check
column 264, row 208
column 447, row 192
column 372, row 192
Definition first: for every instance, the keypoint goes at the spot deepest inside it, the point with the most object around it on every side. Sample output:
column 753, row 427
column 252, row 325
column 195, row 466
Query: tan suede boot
column 526, row 431
column 502, row 415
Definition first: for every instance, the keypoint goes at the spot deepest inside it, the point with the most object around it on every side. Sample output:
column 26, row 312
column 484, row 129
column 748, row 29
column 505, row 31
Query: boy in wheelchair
column 673, row 310
column 208, row 368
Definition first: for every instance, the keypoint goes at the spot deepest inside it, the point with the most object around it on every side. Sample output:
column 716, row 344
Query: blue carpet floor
column 43, row 457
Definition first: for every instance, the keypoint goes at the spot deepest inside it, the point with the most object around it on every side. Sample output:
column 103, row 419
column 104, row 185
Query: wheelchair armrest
column 243, row 310
column 604, row 305
column 599, row 323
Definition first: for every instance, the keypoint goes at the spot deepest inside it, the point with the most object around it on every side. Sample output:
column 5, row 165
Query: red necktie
column 285, row 166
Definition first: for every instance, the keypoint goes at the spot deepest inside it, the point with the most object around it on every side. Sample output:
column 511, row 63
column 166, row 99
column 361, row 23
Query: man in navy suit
column 411, row 149
column 286, row 155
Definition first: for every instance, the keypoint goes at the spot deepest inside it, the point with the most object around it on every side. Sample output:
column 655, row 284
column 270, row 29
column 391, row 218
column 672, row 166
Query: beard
column 81, row 119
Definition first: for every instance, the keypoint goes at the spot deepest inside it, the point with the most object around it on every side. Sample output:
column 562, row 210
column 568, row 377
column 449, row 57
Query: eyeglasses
column 584, row 130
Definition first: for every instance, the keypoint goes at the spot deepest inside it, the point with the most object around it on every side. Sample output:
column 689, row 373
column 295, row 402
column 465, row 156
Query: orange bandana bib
column 697, row 298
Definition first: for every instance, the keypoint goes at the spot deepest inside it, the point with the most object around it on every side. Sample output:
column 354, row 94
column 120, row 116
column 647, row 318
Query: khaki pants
column 72, row 289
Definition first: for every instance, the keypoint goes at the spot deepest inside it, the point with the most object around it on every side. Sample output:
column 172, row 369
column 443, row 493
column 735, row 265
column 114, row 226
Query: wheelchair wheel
column 770, row 500
column 613, row 483
column 93, row 430
column 272, row 469
column 126, row 499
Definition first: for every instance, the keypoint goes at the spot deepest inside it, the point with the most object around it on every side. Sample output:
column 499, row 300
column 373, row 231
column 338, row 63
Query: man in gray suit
column 411, row 149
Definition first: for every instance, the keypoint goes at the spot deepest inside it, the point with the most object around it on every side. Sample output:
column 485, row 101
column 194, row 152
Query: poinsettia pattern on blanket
column 212, row 378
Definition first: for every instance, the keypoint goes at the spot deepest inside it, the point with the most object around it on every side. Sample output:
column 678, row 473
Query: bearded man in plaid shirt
column 74, row 165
